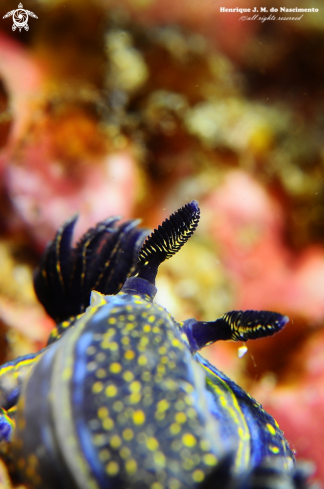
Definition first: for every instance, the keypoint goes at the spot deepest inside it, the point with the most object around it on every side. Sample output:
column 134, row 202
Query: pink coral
column 298, row 407
column 267, row 274
column 24, row 80
column 54, row 167
column 201, row 15
column 44, row 196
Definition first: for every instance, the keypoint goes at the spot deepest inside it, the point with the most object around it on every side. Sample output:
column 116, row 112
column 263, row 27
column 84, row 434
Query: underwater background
column 136, row 107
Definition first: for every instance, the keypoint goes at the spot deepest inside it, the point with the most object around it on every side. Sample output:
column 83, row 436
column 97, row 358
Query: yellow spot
column 146, row 376
column 100, row 357
column 159, row 415
column 142, row 360
column 175, row 428
column 158, row 378
column 210, row 459
column 112, row 468
column 129, row 412
column 103, row 412
column 138, row 417
column 274, row 449
column 67, row 373
column 54, row 333
column 180, row 418
column 179, row 405
column 189, row 440
column 223, row 401
column 125, row 340
column 188, row 399
column 152, row 444
column 112, row 320
column 65, row 324
column 176, row 343
column 110, row 332
column 165, row 359
column 128, row 376
column 198, row 475
column 128, row 434
column 111, row 390
column 162, row 405
column 109, row 345
column 91, row 366
column 115, row 441
column 161, row 369
column 130, row 326
column 104, row 455
column 129, row 354
column 156, row 485
column 191, row 413
column 159, row 458
column 188, row 388
column 141, row 437
column 135, row 386
column 99, row 440
column 108, row 424
column 115, row 368
column 118, row 406
column 205, row 445
column 146, row 328
column 134, row 398
column 174, row 483
column 131, row 466
column 188, row 464
column 271, row 429
column 97, row 387
column 151, row 319
column 144, row 341
column 91, row 350
column 100, row 373
column 124, row 452
column 131, row 317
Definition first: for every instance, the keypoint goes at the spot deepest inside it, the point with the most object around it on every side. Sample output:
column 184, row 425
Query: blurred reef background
column 136, row 107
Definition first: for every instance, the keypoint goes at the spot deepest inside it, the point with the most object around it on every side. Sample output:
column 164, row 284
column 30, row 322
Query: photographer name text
column 266, row 10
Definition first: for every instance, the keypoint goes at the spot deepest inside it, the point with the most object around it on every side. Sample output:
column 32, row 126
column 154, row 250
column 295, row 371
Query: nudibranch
column 120, row 397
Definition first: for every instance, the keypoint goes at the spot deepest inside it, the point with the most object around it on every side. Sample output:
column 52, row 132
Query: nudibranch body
column 121, row 398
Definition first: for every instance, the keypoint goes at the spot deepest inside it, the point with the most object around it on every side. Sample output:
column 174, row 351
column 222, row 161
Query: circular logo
column 20, row 19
